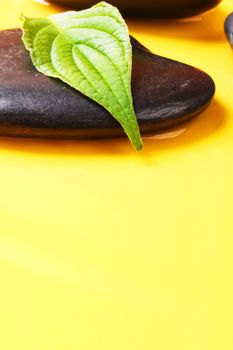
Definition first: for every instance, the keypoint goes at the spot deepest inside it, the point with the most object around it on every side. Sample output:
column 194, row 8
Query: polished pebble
column 151, row 8
column 166, row 93
column 229, row 28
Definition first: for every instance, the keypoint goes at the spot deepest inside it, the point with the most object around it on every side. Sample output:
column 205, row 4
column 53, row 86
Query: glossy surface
column 166, row 93
column 103, row 248
column 229, row 28
column 151, row 8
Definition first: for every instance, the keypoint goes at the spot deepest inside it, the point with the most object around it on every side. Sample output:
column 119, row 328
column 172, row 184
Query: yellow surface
column 102, row 248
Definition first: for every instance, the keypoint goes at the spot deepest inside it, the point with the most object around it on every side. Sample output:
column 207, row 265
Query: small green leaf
column 90, row 50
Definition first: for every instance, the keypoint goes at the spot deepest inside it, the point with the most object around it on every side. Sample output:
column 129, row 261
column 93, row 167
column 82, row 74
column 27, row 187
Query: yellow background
column 104, row 248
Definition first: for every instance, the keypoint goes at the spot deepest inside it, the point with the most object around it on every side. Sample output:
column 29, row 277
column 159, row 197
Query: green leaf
column 90, row 50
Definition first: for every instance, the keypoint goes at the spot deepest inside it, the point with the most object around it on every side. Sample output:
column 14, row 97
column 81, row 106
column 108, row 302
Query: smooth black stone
column 165, row 93
column 229, row 28
column 151, row 8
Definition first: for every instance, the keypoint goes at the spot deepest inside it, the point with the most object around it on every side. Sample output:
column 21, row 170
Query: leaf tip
column 22, row 18
column 139, row 146
column 102, row 4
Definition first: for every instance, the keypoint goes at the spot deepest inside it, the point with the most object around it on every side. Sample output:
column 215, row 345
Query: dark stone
column 151, row 8
column 165, row 93
column 229, row 28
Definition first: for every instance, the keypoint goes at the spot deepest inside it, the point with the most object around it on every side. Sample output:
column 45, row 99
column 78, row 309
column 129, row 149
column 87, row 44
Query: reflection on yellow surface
column 104, row 248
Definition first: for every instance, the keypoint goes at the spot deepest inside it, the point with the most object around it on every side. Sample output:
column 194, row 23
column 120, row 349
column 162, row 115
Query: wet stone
column 229, row 28
column 166, row 93
column 151, row 8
